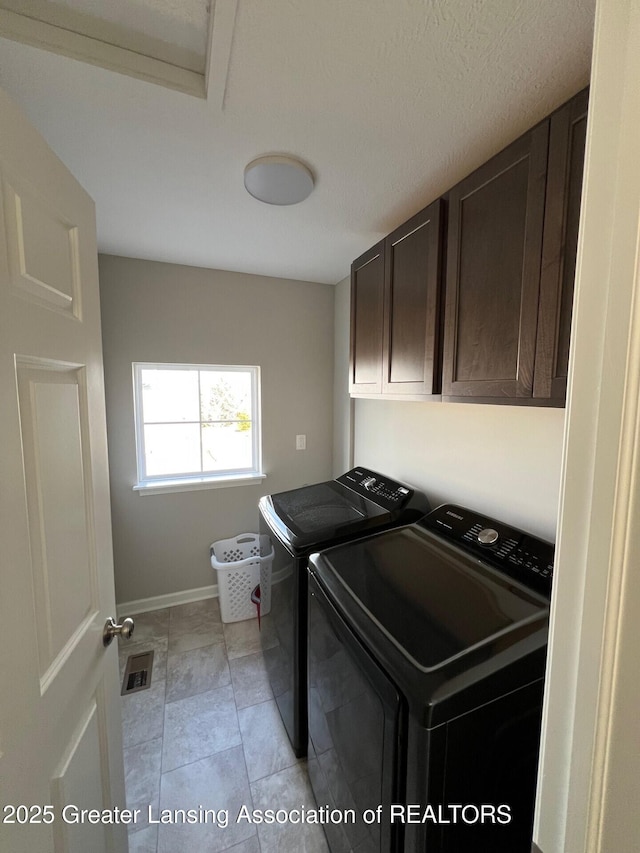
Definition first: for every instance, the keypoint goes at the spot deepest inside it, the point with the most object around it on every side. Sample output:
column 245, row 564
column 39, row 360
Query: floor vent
column 137, row 675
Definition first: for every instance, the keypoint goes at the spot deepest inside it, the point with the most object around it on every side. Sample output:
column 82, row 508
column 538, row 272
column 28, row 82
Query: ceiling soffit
column 183, row 46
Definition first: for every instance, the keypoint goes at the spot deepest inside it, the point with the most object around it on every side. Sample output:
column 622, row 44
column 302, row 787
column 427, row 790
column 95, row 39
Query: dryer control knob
column 488, row 536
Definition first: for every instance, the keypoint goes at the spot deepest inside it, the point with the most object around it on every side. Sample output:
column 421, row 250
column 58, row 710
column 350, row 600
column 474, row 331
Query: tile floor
column 208, row 733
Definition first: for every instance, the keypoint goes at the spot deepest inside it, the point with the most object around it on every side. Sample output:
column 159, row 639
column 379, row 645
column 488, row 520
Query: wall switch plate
column 301, row 442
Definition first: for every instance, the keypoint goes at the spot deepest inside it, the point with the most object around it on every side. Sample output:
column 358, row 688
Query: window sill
column 162, row 487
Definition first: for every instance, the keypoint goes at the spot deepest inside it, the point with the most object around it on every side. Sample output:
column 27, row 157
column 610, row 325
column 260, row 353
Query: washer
column 427, row 650
column 299, row 522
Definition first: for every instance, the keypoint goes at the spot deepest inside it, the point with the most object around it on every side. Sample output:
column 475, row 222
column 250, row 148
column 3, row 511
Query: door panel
column 411, row 353
column 60, row 726
column 71, row 791
column 494, row 235
column 493, row 273
column 367, row 295
column 42, row 248
column 567, row 141
column 57, row 483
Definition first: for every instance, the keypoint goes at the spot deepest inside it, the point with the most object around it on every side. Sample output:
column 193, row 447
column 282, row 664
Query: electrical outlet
column 301, row 442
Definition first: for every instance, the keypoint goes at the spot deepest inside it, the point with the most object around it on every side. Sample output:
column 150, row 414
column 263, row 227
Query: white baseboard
column 159, row 602
column 186, row 596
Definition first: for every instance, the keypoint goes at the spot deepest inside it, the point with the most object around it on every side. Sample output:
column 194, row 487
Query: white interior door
column 60, row 729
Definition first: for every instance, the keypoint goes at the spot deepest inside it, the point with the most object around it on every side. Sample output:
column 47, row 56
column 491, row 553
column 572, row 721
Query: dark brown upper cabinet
column 494, row 247
column 511, row 245
column 567, row 139
column 400, row 280
column 367, row 301
column 511, row 259
column 413, row 272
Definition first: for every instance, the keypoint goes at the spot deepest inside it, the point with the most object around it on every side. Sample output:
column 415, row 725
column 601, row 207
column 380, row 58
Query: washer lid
column 431, row 600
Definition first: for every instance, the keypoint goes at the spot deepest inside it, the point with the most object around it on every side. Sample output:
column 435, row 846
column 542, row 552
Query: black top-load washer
column 299, row 522
column 427, row 648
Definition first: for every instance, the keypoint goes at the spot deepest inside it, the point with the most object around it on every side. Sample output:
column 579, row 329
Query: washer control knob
column 368, row 482
column 488, row 536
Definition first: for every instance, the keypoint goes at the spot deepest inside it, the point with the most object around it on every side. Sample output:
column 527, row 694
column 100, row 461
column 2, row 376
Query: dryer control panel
column 516, row 553
column 377, row 488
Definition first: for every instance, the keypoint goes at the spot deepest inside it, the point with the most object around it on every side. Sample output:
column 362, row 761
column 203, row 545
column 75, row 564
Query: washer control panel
column 488, row 536
column 518, row 554
column 388, row 493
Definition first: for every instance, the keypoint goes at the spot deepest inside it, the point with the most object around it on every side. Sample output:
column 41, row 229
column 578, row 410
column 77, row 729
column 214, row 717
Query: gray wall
column 501, row 460
column 166, row 313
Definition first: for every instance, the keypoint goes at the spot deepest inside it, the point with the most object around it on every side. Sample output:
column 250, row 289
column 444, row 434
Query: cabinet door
column 367, row 295
column 411, row 351
column 493, row 274
column 567, row 138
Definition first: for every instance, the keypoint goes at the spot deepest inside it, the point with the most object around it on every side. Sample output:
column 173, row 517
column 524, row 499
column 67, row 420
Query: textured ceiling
column 388, row 103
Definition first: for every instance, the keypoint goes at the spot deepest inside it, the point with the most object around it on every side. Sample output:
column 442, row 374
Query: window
column 197, row 425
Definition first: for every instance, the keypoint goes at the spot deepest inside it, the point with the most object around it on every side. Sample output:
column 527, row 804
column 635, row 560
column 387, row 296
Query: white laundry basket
column 242, row 563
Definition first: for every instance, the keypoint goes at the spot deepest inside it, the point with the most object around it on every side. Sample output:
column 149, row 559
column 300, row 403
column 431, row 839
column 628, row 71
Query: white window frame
column 188, row 481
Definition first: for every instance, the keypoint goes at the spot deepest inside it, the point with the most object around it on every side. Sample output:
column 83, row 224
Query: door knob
column 112, row 629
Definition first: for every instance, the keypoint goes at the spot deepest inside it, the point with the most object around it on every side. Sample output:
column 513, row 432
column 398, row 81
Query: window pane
column 225, row 395
column 172, row 449
column 227, row 446
column 170, row 395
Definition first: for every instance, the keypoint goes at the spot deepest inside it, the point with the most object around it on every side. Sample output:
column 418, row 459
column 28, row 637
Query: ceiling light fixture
column 278, row 180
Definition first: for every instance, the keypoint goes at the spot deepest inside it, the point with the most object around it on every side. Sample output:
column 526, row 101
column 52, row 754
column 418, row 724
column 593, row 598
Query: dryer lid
column 320, row 513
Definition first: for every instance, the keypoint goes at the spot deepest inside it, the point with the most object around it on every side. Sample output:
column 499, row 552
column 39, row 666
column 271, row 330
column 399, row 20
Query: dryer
column 304, row 520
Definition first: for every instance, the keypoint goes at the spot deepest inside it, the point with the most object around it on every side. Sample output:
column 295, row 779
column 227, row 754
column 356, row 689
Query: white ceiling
column 389, row 102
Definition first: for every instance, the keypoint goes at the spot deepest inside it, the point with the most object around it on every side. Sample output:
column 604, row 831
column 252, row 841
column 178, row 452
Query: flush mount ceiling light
column 278, row 180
